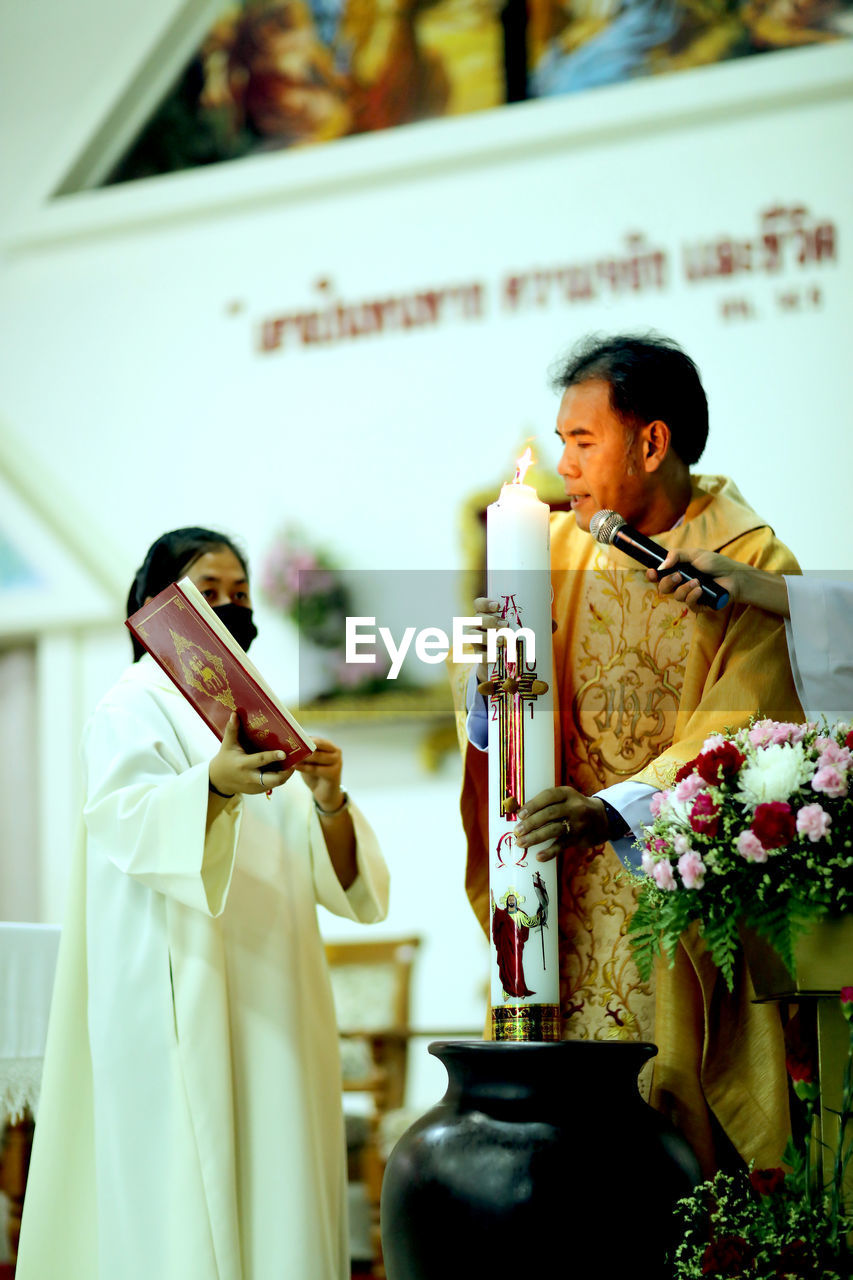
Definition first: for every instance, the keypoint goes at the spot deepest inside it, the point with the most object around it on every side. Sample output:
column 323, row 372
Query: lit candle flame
column 522, row 465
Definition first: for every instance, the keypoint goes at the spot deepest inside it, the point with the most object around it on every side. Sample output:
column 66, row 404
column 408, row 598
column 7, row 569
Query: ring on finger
column 261, row 779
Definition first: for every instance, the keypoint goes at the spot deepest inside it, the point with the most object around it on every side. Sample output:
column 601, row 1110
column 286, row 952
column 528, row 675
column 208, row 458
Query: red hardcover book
column 201, row 657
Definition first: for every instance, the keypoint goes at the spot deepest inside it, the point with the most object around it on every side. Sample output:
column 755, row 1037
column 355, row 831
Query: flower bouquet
column 305, row 583
column 756, row 830
column 770, row 1224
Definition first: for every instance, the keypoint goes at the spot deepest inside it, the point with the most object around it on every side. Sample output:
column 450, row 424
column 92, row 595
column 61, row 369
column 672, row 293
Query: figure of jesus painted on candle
column 525, row 980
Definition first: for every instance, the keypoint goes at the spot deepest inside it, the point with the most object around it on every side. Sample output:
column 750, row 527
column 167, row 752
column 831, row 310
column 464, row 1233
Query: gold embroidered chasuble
column 641, row 683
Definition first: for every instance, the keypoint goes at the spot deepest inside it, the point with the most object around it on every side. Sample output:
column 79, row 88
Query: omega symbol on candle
column 504, row 848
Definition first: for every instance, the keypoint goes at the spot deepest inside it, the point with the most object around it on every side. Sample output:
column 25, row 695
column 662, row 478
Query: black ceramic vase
column 538, row 1154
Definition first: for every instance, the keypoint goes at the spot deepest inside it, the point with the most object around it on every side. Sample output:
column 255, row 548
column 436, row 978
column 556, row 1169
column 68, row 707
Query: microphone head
column 604, row 524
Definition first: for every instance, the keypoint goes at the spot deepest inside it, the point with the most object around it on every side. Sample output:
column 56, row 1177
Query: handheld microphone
column 609, row 527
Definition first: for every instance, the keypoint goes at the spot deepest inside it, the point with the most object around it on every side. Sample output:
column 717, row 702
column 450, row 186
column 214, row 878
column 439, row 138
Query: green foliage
column 775, row 1224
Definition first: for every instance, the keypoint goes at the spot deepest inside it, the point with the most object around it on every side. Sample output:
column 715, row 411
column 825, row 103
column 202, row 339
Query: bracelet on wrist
column 225, row 795
column 331, row 813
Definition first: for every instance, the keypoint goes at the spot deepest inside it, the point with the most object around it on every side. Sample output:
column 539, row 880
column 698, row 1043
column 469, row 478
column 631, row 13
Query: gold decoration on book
column 257, row 722
column 203, row 670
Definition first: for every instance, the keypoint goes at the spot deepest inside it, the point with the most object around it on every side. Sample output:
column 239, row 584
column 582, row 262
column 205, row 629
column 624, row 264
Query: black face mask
column 238, row 619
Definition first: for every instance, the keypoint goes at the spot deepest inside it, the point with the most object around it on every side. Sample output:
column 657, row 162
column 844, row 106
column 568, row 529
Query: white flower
column 676, row 811
column 772, row 773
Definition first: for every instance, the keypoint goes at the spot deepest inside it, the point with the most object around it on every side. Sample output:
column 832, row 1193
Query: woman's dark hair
column 168, row 559
column 650, row 378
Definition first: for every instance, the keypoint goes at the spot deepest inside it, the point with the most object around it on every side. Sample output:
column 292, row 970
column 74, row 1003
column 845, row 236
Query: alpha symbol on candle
column 509, row 609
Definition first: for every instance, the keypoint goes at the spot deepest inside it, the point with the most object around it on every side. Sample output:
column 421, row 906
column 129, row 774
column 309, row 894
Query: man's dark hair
column 168, row 559
column 650, row 378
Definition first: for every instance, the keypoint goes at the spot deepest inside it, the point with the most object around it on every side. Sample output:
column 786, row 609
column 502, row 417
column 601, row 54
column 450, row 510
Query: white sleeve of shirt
column 819, row 644
column 633, row 801
column 477, row 723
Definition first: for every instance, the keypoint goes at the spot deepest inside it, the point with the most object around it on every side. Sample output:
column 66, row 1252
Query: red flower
column 727, row 1256
column 795, row 1259
column 847, row 1003
column 848, row 741
column 799, row 1064
column 685, row 771
column 720, row 762
column 767, row 1181
column 774, row 824
column 705, row 815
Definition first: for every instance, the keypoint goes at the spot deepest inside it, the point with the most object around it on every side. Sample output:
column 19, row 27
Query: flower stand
column 824, row 965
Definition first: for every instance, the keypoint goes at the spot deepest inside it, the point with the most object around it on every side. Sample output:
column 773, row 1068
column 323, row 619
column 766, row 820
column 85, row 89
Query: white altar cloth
column 27, row 967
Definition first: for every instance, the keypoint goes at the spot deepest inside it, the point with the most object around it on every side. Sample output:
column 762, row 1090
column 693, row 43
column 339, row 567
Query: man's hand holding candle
column 564, row 816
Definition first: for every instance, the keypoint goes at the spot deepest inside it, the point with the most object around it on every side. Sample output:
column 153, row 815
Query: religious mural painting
column 275, row 74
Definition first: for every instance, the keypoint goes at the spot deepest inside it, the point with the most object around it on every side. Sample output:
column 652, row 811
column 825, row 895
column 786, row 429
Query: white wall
column 131, row 350
column 130, row 361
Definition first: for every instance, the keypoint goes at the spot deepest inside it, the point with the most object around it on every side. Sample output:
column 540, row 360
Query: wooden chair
column 371, row 985
column 16, row 1143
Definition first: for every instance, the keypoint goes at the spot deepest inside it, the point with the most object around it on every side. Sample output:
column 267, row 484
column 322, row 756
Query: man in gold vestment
column 641, row 683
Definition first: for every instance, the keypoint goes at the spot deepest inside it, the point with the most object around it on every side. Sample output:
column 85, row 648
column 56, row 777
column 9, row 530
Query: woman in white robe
column 190, row 1124
column 818, row 612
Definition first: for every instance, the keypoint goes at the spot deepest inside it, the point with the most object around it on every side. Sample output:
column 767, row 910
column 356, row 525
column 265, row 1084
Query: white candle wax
column 525, row 988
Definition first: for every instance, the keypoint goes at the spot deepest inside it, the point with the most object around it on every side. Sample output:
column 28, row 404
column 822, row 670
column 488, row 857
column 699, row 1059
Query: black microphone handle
column 649, row 553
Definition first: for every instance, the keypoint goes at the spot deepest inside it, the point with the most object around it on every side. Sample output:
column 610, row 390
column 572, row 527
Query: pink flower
column 813, row 822
column 761, row 733
column 689, row 787
column 750, row 847
column 659, row 844
column 830, row 780
column 715, row 740
column 778, row 732
column 680, row 844
column 789, row 732
column 833, row 754
column 662, row 872
column 656, row 802
column 691, row 868
column 647, row 862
